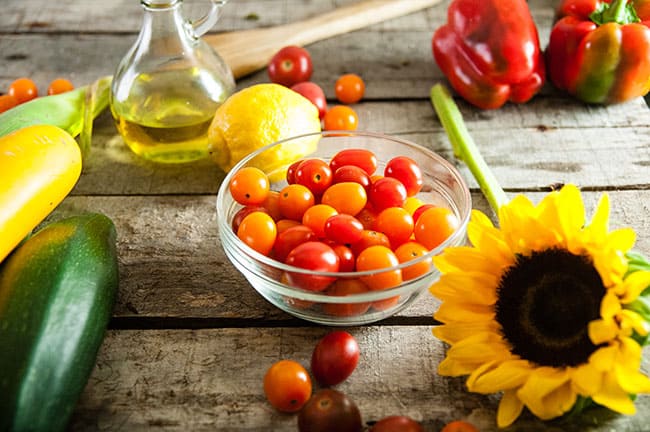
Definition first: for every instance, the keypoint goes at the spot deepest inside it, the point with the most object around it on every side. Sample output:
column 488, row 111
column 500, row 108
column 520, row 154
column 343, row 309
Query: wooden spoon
column 247, row 51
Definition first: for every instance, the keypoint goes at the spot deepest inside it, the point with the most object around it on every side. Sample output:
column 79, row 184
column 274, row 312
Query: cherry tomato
column 352, row 173
column 397, row 424
column 258, row 231
column 272, row 205
column 285, row 224
column 421, row 209
column 343, row 229
column 291, row 65
column 334, row 358
column 379, row 258
column 411, row 204
column 242, row 213
column 291, row 171
column 434, row 226
column 396, row 223
column 314, row 93
column 364, row 159
column 287, row 386
column 315, row 174
column 349, row 88
column 459, row 426
column 340, row 117
column 347, row 259
column 387, row 192
column 407, row 171
column 330, row 410
column 59, row 85
column 316, row 216
column 249, row 186
column 294, row 200
column 347, row 197
column 344, row 287
column 316, row 256
column 23, row 89
column 288, row 239
column 367, row 217
column 7, row 102
column 369, row 238
column 410, row 251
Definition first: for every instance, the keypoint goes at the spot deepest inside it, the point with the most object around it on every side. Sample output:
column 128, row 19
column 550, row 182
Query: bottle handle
column 196, row 29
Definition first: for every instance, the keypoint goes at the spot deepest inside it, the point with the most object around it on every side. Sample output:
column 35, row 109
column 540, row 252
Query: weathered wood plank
column 172, row 263
column 212, row 380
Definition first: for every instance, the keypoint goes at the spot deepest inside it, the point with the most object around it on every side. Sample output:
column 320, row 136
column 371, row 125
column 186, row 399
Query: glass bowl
column 442, row 186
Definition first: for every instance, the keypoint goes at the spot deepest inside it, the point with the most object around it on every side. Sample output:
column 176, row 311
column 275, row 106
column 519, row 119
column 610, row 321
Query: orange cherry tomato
column 347, row 197
column 272, row 205
column 369, row 238
column 285, row 224
column 23, row 89
column 344, row 287
column 316, row 216
column 459, row 426
column 249, row 186
column 349, row 88
column 59, row 85
column 258, row 231
column 434, row 226
column 396, row 223
column 287, row 386
column 379, row 258
column 7, row 102
column 340, row 117
column 295, row 199
column 410, row 251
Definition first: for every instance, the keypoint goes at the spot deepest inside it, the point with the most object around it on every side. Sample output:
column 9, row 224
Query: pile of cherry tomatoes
column 342, row 216
column 292, row 67
column 24, row 89
column 288, row 388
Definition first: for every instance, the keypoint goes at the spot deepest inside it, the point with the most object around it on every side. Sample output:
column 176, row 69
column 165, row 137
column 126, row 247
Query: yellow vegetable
column 39, row 166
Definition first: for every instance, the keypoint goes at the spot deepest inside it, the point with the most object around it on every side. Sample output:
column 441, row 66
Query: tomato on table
column 287, row 386
column 349, row 88
column 290, row 65
column 7, row 102
column 314, row 93
column 340, row 117
column 459, row 426
column 330, row 410
column 58, row 86
column 397, row 423
column 23, row 89
column 334, row 358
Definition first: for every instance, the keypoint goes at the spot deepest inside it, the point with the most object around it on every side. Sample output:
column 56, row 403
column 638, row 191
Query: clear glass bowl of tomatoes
column 344, row 232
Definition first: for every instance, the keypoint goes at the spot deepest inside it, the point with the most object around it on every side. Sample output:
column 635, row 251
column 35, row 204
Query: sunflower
column 544, row 308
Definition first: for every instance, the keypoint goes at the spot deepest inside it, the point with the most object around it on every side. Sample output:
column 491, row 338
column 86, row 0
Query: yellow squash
column 39, row 166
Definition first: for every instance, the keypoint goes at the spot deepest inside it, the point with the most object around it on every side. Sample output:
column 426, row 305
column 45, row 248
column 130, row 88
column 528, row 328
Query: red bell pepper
column 489, row 51
column 599, row 51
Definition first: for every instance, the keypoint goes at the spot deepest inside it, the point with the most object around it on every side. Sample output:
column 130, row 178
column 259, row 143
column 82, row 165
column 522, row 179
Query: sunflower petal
column 470, row 287
column 586, row 379
column 601, row 331
column 634, row 321
column 612, row 396
column 571, row 211
column 454, row 332
column 451, row 312
column 603, row 359
column 510, row 408
column 543, row 392
column 634, row 285
column 465, row 258
column 508, row 375
column 632, row 381
column 599, row 224
column 610, row 306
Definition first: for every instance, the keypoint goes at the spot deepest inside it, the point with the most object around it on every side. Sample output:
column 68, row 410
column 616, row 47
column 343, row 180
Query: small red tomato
column 316, row 256
column 288, row 239
column 387, row 192
column 347, row 260
column 397, row 424
column 59, row 85
column 291, row 171
column 343, row 228
column 340, row 117
column 291, row 65
column 315, row 174
column 314, row 93
column 418, row 211
column 369, row 238
column 330, row 410
column 459, row 426
column 349, row 88
column 342, row 288
column 23, row 89
column 334, row 358
column 364, row 159
column 352, row 173
column 243, row 212
column 407, row 171
column 287, row 386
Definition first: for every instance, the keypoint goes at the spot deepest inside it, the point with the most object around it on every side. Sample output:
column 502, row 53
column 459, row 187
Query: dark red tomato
column 343, row 228
column 330, row 410
column 316, row 256
column 288, row 239
column 459, row 426
column 315, row 174
column 387, row 192
column 243, row 212
column 397, row 424
column 364, row 159
column 291, row 171
column 291, row 65
column 418, row 211
column 407, row 171
column 314, row 93
column 346, row 257
column 352, row 173
column 334, row 358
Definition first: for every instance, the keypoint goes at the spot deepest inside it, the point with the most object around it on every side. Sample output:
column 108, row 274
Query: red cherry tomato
column 397, row 424
column 288, row 239
column 421, row 209
column 340, row 117
column 369, row 238
column 315, row 174
column 407, row 171
column 316, row 256
column 291, row 171
column 242, row 213
column 349, row 88
column 352, row 173
column 459, row 426
column 7, row 102
column 364, row 159
column 314, row 93
column 346, row 257
column 345, row 287
column 387, row 192
column 249, row 186
column 343, row 229
column 434, row 226
column 291, row 65
column 287, row 386
column 23, row 89
column 330, row 410
column 59, row 85
column 334, row 358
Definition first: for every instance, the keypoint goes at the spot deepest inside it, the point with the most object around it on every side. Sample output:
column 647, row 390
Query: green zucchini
column 57, row 291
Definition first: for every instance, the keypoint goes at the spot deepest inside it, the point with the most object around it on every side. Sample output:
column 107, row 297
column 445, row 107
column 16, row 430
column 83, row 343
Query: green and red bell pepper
column 489, row 51
column 599, row 51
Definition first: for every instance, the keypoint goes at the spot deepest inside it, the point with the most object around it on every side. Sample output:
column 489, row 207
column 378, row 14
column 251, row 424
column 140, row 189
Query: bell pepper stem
column 615, row 12
column 464, row 147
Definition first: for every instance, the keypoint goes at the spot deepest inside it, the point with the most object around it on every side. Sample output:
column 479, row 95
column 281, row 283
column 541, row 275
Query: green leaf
column 619, row 11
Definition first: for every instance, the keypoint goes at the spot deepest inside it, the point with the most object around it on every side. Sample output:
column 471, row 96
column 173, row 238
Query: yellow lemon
column 260, row 115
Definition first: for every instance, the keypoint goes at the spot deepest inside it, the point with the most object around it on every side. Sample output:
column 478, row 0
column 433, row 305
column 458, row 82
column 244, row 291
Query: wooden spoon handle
column 247, row 51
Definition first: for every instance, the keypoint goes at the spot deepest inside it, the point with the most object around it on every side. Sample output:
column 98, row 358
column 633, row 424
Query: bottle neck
column 162, row 19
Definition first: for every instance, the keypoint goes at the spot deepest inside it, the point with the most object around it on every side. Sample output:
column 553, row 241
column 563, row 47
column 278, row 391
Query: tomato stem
column 464, row 147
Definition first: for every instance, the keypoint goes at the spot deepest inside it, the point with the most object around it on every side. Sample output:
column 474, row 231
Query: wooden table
column 190, row 340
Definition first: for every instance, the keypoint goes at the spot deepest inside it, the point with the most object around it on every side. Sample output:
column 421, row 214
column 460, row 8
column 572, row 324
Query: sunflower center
column 545, row 303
